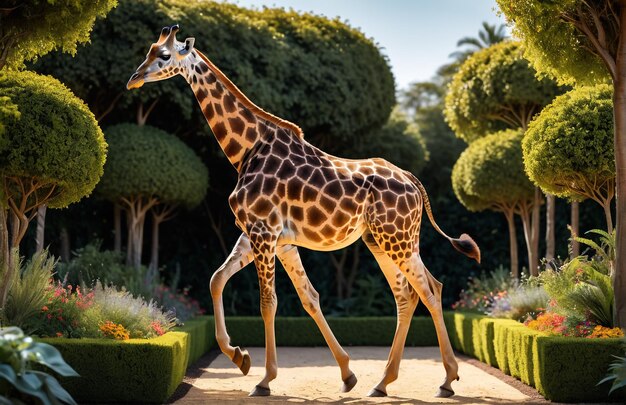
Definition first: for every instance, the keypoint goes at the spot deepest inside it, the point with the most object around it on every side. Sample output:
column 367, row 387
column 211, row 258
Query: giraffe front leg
column 290, row 258
column 240, row 256
column 264, row 250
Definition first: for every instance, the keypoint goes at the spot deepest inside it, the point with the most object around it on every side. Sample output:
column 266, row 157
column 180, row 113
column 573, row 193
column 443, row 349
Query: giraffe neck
column 237, row 123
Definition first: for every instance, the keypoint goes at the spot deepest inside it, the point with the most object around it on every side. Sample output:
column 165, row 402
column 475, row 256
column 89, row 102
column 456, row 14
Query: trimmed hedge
column 201, row 336
column 135, row 370
column 302, row 331
column 562, row 369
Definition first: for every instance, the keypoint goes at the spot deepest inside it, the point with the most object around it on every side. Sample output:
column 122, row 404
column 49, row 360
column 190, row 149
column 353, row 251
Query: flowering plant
column 61, row 315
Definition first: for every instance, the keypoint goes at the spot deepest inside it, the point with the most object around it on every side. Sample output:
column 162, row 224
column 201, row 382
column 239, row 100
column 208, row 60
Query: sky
column 416, row 35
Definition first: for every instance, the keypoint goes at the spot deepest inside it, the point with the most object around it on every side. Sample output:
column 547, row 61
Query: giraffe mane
column 246, row 101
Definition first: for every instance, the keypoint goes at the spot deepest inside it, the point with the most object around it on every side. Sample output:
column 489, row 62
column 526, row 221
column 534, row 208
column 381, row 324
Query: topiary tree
column 583, row 42
column 568, row 148
column 490, row 175
column 149, row 169
column 29, row 29
column 496, row 88
column 51, row 153
column 320, row 73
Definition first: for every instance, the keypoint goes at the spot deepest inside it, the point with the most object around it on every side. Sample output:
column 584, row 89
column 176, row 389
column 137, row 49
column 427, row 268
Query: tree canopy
column 495, row 89
column 321, row 74
column 551, row 33
column 568, row 148
column 30, row 29
column 55, row 140
column 490, row 173
column 147, row 161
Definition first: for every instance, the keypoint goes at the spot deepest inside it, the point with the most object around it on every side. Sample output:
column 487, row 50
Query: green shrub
column 27, row 294
column 617, row 373
column 136, row 370
column 201, row 332
column 140, row 318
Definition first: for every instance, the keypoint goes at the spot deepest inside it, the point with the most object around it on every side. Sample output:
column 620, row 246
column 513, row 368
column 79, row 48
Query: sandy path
column 310, row 375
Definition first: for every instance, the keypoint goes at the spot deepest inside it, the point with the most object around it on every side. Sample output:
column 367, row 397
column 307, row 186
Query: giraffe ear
column 188, row 46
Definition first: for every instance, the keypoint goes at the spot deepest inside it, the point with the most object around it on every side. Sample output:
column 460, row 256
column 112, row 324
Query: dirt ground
column 310, row 376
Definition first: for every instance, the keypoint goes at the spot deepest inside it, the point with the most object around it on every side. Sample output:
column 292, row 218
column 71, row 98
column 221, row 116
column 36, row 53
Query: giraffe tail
column 464, row 243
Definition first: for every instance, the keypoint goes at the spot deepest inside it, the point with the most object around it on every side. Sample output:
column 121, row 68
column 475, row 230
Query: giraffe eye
column 165, row 56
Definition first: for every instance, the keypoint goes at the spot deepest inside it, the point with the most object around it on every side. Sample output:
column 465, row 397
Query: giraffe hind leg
column 405, row 254
column 406, row 301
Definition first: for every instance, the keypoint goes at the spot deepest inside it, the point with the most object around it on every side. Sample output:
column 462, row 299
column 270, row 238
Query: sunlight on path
column 310, row 375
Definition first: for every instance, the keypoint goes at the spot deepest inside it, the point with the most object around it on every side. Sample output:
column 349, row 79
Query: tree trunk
column 65, row 245
column 510, row 220
column 154, row 254
column 129, row 238
column 536, row 226
column 6, row 260
column 575, row 217
column 606, row 206
column 619, row 108
column 117, row 219
column 41, row 227
column 550, row 226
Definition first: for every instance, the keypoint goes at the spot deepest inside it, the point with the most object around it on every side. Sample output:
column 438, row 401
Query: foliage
column 617, row 373
column 178, row 302
column 554, row 44
column 162, row 166
column 62, row 314
column 495, row 89
column 483, row 291
column 487, row 36
column 26, row 294
column 520, row 303
column 320, row 73
column 30, row 29
column 91, row 264
column 21, row 382
column 137, row 316
column 489, row 173
column 8, row 110
column 55, row 142
column 603, row 252
column 568, row 148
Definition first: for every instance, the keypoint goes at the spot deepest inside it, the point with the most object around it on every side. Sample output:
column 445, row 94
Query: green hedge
column 135, row 370
column 302, row 331
column 562, row 369
column 201, row 336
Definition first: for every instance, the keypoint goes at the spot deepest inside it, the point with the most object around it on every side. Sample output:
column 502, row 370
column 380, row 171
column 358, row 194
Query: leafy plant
column 520, row 303
column 18, row 355
column 27, row 294
column 605, row 251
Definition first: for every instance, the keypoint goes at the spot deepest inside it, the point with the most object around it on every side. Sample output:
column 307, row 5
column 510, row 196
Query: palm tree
column 487, row 36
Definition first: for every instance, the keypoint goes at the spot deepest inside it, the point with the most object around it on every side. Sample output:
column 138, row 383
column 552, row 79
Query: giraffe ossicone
column 290, row 194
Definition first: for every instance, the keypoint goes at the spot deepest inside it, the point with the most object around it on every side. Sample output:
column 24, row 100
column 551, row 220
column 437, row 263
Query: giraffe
column 290, row 194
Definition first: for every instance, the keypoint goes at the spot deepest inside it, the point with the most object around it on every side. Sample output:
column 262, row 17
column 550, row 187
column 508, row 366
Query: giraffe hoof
column 444, row 392
column 349, row 383
column 242, row 360
column 375, row 392
column 259, row 391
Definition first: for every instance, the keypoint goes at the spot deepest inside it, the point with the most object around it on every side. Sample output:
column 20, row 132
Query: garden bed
column 562, row 369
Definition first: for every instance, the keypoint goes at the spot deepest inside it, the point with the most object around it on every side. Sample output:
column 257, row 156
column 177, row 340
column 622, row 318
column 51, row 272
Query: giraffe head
column 164, row 59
